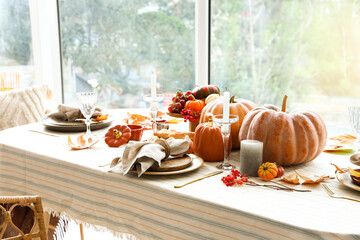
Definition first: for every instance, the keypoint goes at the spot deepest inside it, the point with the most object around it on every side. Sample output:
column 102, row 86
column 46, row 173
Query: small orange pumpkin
column 196, row 105
column 117, row 136
column 268, row 171
column 208, row 142
column 239, row 107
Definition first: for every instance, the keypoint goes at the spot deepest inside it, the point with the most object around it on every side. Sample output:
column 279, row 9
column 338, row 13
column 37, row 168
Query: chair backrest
column 9, row 203
column 22, row 106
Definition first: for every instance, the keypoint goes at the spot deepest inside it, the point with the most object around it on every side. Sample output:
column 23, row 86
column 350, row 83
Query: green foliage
column 110, row 39
column 262, row 49
column 15, row 30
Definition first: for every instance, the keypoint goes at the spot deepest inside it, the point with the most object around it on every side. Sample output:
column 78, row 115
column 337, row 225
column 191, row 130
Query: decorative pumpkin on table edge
column 288, row 138
column 208, row 142
column 239, row 107
column 117, row 136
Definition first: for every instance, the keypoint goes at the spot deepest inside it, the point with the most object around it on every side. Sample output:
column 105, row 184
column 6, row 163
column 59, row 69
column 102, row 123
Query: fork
column 334, row 195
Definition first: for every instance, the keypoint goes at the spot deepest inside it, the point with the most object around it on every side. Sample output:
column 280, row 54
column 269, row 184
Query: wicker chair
column 10, row 204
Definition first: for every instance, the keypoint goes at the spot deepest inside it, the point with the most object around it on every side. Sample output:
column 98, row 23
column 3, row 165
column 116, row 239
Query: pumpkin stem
column 117, row 134
column 283, row 109
column 209, row 119
column 232, row 99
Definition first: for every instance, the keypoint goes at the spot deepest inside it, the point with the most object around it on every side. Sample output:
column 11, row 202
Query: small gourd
column 268, row 171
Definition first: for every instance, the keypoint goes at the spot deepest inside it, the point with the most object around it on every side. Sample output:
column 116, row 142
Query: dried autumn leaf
column 337, row 168
column 344, row 138
column 304, row 178
column 81, row 141
column 101, row 118
column 137, row 119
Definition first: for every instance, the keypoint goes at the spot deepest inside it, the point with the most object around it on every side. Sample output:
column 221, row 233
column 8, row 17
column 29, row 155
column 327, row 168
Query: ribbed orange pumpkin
column 196, row 105
column 239, row 107
column 289, row 138
column 208, row 143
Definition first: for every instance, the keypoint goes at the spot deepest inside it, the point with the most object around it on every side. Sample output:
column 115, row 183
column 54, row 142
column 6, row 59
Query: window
column 16, row 53
column 261, row 50
column 113, row 46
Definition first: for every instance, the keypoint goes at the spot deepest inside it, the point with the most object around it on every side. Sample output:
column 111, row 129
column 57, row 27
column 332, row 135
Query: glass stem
column 357, row 142
column 154, row 113
column 226, row 141
column 87, row 122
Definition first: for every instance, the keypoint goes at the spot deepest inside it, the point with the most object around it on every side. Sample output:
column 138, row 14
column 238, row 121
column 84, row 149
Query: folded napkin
column 143, row 155
column 69, row 113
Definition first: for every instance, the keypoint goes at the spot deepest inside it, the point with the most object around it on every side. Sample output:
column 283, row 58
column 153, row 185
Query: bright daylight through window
column 309, row 50
column 16, row 53
column 113, row 46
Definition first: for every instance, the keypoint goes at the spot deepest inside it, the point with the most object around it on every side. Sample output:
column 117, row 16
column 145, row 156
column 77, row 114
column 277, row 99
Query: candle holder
column 225, row 132
column 153, row 100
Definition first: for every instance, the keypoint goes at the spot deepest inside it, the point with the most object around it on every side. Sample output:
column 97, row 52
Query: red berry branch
column 190, row 115
column 234, row 178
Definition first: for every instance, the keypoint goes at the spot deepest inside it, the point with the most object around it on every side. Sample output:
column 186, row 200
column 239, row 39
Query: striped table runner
column 71, row 183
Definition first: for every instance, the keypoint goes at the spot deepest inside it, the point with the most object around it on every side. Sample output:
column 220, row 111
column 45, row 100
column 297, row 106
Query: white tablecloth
column 149, row 207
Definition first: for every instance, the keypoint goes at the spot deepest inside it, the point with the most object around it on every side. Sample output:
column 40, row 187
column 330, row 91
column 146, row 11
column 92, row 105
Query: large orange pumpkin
column 239, row 107
column 288, row 138
column 208, row 142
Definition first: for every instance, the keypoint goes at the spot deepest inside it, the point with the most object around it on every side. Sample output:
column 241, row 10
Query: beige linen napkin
column 143, row 155
column 69, row 113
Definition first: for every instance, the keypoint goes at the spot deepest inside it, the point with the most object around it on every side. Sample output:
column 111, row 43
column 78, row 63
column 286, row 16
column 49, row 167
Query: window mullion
column 202, row 42
column 46, row 47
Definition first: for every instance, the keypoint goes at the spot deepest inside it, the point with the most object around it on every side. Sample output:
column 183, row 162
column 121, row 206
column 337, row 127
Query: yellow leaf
column 355, row 173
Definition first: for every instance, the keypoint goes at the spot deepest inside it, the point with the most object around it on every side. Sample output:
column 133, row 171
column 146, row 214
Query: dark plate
column 63, row 126
column 355, row 180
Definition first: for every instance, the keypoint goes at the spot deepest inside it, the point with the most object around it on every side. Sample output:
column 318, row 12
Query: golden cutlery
column 49, row 134
column 284, row 187
column 334, row 195
column 197, row 179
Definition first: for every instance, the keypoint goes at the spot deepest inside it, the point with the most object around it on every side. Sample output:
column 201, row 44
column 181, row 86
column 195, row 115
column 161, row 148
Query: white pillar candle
column 251, row 157
column 225, row 127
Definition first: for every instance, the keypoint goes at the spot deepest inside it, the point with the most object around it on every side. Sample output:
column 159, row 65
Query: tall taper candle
column 225, row 127
column 153, row 89
column 251, row 157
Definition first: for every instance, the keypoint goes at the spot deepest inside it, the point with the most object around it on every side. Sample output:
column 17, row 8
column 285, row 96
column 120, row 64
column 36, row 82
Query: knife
column 197, row 179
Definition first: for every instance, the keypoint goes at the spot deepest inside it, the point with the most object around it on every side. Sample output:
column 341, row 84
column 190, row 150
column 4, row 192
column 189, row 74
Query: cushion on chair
column 22, row 106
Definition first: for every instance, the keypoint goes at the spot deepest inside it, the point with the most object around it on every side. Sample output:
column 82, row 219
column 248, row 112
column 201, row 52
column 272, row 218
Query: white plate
column 345, row 179
column 355, row 159
column 196, row 163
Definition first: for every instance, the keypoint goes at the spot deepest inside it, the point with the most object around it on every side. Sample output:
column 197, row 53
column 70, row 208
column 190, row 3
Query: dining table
column 80, row 185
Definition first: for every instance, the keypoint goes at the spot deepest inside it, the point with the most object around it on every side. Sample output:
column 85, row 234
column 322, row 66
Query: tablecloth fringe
column 123, row 236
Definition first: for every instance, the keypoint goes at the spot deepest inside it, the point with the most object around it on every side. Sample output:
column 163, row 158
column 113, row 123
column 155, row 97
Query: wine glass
column 354, row 113
column 225, row 131
column 153, row 100
column 87, row 102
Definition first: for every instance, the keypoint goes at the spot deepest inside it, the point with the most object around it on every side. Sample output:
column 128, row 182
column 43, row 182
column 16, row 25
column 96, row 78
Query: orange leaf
column 344, row 139
column 101, row 118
